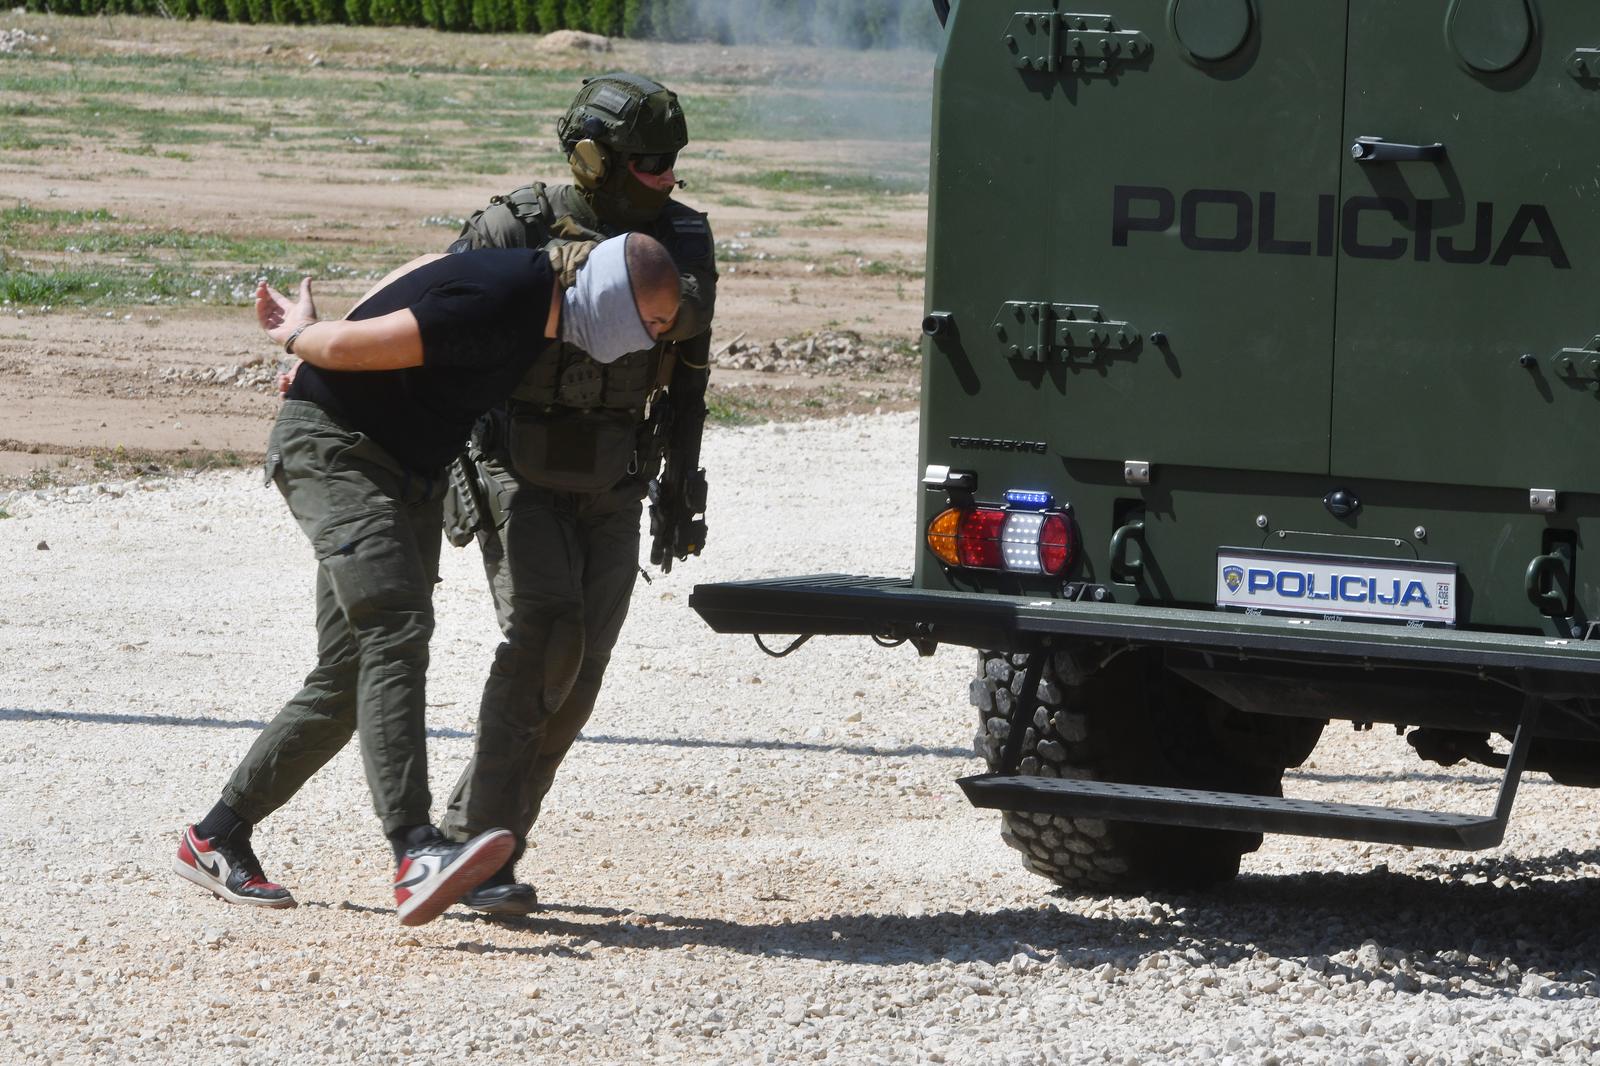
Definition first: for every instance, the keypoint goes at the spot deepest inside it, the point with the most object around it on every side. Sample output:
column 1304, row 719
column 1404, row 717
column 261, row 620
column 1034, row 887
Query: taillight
column 978, row 538
column 993, row 538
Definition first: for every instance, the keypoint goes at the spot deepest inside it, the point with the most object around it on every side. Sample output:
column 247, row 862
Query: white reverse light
column 1019, row 542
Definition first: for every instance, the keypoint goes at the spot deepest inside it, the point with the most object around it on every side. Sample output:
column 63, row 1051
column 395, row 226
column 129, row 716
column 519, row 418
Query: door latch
column 1378, row 150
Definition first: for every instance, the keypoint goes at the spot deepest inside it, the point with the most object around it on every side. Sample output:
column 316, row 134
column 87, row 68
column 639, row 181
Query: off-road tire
column 1133, row 721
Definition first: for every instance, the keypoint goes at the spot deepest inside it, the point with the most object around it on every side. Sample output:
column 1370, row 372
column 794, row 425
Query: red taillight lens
column 978, row 539
column 1055, row 544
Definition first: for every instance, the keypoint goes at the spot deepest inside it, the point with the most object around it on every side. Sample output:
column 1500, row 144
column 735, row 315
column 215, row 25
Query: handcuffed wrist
column 288, row 345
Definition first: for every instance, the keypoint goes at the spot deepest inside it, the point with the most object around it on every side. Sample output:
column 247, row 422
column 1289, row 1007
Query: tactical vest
column 566, row 376
column 575, row 424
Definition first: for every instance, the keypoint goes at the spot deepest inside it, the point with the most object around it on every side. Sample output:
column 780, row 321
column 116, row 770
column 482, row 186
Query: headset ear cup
column 589, row 163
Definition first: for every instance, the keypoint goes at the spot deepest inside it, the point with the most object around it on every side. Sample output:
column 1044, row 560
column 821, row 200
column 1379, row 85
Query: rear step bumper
column 840, row 604
column 1230, row 810
column 835, row 604
column 1262, row 814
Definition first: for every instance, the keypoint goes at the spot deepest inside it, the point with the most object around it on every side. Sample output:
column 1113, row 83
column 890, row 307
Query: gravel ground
column 744, row 860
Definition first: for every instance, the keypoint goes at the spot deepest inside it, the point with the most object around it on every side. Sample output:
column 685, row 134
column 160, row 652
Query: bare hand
column 286, row 378
column 278, row 316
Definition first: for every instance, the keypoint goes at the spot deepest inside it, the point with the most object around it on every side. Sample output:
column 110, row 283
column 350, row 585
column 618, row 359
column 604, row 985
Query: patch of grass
column 17, row 140
column 724, row 410
column 124, row 284
column 146, row 273
column 735, row 201
column 207, row 459
column 815, row 181
column 817, row 222
column 25, row 214
column 410, row 162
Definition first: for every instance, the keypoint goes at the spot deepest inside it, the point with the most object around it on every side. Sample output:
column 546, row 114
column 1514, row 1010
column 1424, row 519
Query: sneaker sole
column 471, row 870
column 511, row 908
column 189, row 873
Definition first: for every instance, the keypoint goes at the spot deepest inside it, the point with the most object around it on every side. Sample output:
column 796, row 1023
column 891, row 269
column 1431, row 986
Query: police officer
column 563, row 468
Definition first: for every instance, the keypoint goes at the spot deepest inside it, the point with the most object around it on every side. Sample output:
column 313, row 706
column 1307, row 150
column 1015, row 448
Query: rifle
column 678, row 493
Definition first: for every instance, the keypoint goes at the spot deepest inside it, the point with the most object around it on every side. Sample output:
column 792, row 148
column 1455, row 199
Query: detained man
column 381, row 403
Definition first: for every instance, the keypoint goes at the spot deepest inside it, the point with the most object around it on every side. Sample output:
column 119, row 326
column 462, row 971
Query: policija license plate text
column 1336, row 587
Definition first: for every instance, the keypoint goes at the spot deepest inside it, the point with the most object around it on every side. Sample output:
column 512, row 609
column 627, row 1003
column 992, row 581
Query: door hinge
column 1055, row 41
column 1038, row 332
column 1578, row 362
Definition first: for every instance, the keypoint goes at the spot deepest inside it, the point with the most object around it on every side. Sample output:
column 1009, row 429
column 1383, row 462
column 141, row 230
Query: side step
column 1259, row 814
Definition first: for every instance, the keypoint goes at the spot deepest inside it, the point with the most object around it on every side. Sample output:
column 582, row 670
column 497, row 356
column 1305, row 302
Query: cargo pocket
column 374, row 566
column 340, row 534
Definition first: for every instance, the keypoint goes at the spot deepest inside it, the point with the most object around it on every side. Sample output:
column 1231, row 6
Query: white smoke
column 829, row 23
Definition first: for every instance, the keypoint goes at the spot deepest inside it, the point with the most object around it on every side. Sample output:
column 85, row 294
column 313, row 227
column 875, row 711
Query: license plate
column 1336, row 587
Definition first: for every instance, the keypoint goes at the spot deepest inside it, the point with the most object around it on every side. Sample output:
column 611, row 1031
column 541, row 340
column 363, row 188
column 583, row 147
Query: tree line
column 845, row 23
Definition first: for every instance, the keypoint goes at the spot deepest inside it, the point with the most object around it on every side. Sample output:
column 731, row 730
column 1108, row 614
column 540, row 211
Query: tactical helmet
column 618, row 116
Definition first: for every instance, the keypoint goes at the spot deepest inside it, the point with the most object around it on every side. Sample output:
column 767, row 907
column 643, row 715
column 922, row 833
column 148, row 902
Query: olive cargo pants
column 561, row 567
column 375, row 530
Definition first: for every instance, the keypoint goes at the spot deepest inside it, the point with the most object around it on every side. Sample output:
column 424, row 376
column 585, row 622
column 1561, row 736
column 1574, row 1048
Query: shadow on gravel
column 867, row 750
column 14, row 714
column 862, row 939
column 1451, row 937
column 1491, row 922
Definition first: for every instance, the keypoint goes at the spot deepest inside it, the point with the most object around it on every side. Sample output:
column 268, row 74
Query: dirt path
column 207, row 155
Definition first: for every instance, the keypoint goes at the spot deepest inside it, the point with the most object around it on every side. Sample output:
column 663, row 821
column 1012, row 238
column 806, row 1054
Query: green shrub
column 493, row 16
column 636, row 18
column 396, row 12
column 523, row 17
column 605, row 16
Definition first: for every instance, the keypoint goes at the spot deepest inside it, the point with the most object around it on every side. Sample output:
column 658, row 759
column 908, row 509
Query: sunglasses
column 657, row 163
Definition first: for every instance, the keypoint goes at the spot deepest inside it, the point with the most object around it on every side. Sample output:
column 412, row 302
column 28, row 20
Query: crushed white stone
column 732, row 872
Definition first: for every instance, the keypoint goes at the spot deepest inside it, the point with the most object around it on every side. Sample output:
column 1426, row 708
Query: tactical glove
column 567, row 259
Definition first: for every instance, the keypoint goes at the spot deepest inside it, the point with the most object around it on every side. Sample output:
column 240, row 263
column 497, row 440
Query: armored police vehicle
column 1261, row 387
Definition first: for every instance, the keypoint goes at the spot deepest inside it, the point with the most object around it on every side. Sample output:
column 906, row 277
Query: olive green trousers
column 375, row 530
column 561, row 568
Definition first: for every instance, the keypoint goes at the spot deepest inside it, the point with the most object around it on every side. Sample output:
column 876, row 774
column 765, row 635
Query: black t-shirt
column 483, row 316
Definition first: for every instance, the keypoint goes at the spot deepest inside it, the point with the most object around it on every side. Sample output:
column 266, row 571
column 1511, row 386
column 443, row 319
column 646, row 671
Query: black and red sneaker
column 436, row 872
column 228, row 869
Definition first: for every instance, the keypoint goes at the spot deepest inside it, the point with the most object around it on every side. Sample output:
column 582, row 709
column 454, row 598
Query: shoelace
column 242, row 857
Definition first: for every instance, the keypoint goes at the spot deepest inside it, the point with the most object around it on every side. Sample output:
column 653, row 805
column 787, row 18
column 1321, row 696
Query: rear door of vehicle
column 1465, row 275
column 1169, row 166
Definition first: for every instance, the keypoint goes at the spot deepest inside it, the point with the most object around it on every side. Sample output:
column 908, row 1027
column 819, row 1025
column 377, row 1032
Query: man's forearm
column 389, row 342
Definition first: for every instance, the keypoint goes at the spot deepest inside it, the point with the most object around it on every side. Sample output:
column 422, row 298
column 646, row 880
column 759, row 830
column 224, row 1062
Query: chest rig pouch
column 575, row 425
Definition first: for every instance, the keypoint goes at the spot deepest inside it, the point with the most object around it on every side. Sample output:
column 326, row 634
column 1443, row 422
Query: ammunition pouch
column 573, row 451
